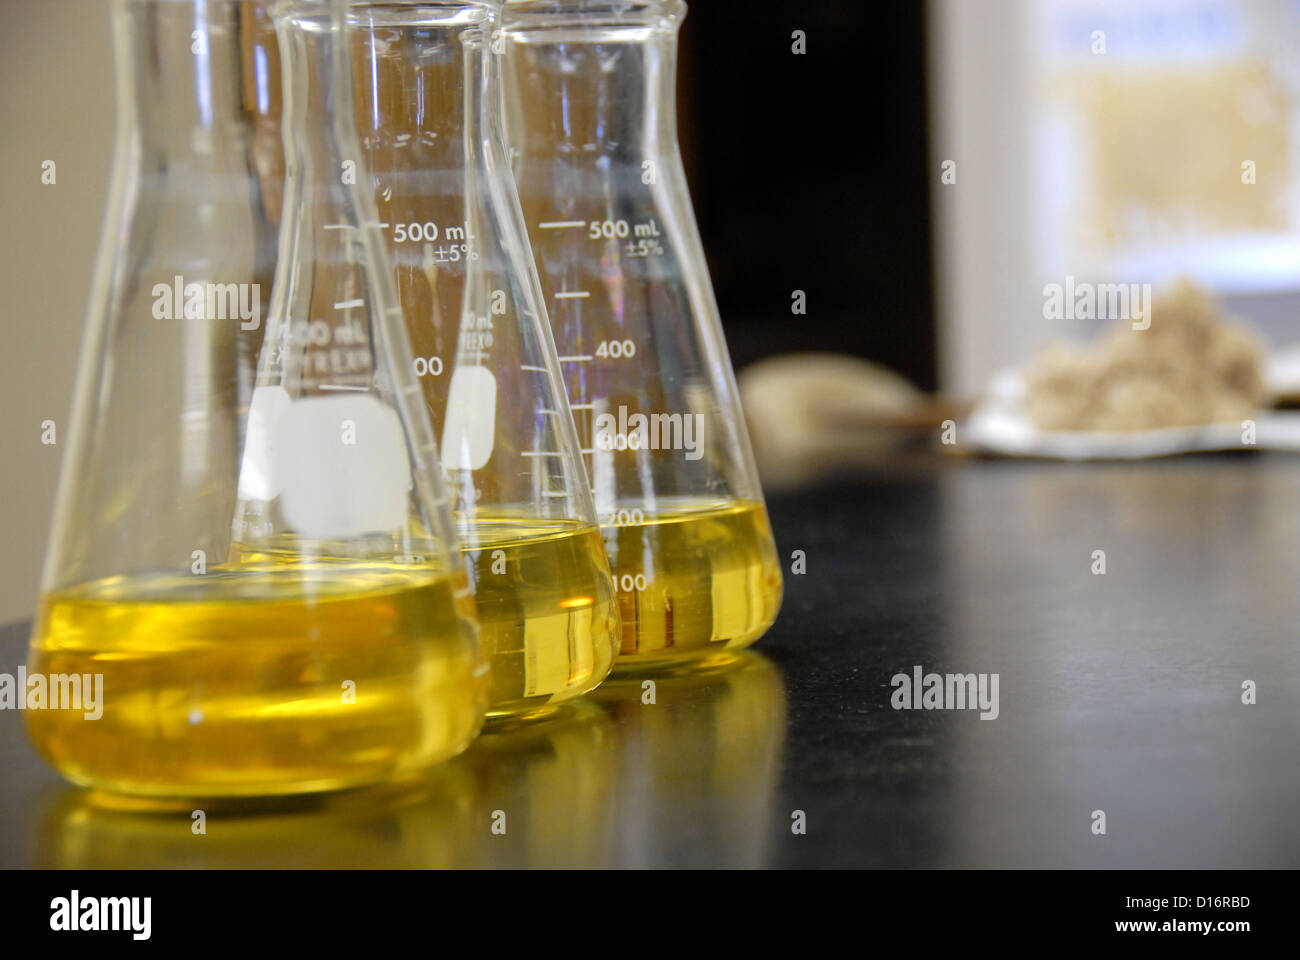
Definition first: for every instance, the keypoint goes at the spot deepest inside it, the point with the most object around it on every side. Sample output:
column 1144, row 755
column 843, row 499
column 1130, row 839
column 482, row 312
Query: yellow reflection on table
column 621, row 777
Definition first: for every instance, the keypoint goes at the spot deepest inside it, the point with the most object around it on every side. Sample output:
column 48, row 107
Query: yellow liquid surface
column 693, row 580
column 261, row 681
column 547, row 614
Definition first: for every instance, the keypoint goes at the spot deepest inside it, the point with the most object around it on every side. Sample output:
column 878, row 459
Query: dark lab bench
column 1119, row 692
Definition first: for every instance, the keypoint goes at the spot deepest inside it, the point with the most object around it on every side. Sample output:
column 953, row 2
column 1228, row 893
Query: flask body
column 589, row 114
column 428, row 103
column 237, row 628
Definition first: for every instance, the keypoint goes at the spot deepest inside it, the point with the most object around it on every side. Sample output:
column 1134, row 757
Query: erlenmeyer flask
column 428, row 100
column 590, row 119
column 255, row 572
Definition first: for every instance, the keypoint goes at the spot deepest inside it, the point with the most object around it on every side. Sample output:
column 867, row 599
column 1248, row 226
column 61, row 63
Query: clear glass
column 252, row 559
column 428, row 108
column 588, row 101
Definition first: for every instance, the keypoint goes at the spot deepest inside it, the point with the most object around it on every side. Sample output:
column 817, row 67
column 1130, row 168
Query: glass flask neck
column 183, row 94
column 597, row 75
column 589, row 15
column 418, row 67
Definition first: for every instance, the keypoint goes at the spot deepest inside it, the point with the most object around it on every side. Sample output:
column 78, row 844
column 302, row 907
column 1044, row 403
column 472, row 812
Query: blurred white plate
column 1000, row 424
column 1282, row 371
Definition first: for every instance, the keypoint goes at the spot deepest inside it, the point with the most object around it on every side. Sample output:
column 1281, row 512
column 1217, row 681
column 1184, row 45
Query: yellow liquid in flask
column 546, row 609
column 261, row 681
column 694, row 579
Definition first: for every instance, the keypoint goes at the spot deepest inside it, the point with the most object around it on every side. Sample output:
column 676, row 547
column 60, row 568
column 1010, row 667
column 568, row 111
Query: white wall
column 989, row 304
column 56, row 89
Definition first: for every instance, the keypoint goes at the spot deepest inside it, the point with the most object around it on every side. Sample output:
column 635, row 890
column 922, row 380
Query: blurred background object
column 815, row 415
column 1110, row 141
column 1193, row 367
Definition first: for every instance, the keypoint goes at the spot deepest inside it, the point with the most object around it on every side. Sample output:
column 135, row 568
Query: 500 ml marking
column 646, row 243
column 458, row 240
column 646, row 234
column 320, row 334
column 420, row 232
column 620, row 229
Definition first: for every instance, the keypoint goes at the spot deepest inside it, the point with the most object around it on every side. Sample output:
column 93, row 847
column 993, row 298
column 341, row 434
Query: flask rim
column 535, row 14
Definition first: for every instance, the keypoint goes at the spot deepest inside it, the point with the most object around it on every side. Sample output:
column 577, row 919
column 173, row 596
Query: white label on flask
column 344, row 467
column 257, row 474
column 470, row 429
